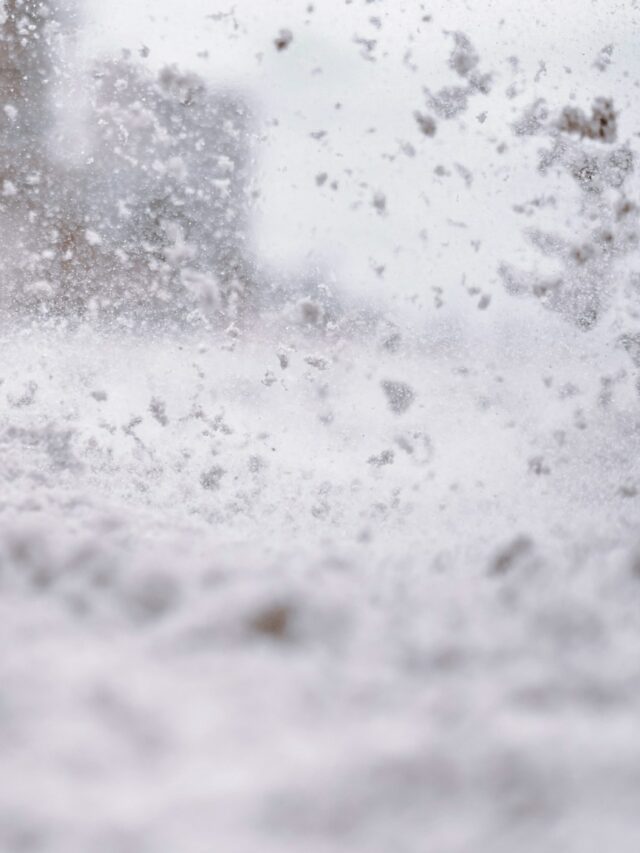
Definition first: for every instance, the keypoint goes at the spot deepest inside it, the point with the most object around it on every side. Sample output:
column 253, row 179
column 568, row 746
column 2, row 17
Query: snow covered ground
column 252, row 608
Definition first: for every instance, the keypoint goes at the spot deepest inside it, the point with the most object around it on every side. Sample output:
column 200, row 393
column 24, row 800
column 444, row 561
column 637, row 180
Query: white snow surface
column 232, row 620
column 367, row 589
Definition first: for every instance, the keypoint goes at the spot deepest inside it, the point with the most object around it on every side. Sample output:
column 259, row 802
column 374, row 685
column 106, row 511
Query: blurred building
column 152, row 225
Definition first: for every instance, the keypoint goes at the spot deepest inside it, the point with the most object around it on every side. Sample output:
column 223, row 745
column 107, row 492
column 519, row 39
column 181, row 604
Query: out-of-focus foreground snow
column 334, row 547
column 255, row 608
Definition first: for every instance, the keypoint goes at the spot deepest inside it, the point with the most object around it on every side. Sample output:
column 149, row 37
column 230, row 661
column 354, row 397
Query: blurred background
column 335, row 126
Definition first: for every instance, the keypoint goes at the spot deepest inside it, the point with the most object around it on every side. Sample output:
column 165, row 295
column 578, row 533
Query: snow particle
column 400, row 396
column 211, row 478
column 283, row 39
column 426, row 123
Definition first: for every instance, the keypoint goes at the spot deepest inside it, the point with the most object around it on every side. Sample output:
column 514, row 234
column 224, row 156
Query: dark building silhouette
column 152, row 226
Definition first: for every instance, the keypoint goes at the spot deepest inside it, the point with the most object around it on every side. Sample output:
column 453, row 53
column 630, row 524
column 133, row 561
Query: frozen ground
column 252, row 608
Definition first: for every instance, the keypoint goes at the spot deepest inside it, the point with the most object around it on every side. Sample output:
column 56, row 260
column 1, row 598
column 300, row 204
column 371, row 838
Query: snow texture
column 318, row 552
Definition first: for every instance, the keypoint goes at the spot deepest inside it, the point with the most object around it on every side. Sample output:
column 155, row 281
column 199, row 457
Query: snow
column 303, row 649
column 320, row 456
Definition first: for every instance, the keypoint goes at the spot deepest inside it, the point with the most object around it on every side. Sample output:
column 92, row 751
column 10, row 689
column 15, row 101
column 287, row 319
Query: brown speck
column 274, row 620
column 510, row 555
column 283, row 39
column 426, row 123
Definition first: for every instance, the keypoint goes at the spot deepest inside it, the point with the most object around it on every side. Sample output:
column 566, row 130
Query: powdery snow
column 224, row 628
